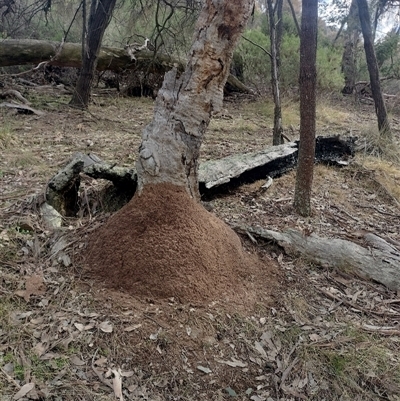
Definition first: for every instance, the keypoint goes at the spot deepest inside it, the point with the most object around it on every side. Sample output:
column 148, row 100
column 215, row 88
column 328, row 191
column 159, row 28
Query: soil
column 164, row 244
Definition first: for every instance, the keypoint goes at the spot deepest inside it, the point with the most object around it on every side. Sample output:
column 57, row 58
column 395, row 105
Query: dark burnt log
column 223, row 175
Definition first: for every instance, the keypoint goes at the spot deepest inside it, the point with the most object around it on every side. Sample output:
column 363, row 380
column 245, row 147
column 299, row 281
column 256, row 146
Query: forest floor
column 312, row 333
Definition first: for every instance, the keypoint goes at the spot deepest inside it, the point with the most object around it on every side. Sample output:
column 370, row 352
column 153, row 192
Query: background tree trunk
column 349, row 68
column 100, row 16
column 308, row 84
column 275, row 35
column 171, row 142
column 373, row 69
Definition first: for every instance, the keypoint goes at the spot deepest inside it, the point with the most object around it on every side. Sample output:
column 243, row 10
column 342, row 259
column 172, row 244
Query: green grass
column 5, row 135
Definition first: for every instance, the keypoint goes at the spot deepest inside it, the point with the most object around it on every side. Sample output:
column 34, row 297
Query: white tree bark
column 171, row 142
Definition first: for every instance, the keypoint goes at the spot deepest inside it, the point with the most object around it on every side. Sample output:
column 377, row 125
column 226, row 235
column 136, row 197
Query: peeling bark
column 171, row 142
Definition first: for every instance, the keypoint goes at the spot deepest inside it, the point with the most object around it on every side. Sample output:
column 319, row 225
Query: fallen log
column 220, row 175
column 11, row 93
column 215, row 176
column 381, row 263
column 22, row 108
column 34, row 52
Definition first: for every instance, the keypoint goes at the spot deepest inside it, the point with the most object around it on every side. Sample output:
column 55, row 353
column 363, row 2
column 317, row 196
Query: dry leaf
column 134, row 327
column 34, row 285
column 259, row 348
column 75, row 360
column 235, row 363
column 117, row 384
column 106, row 326
column 79, row 326
column 49, row 356
column 39, row 320
column 314, row 337
column 204, row 369
column 39, row 349
column 23, row 391
column 101, row 361
column 127, row 374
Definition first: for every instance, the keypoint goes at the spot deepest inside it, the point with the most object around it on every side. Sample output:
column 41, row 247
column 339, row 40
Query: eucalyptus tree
column 351, row 39
column 373, row 69
column 275, row 17
column 308, row 84
column 99, row 18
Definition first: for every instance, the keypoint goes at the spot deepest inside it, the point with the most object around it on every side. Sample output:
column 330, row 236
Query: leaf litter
column 328, row 334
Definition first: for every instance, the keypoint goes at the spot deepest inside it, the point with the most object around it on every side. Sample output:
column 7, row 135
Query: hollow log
column 380, row 263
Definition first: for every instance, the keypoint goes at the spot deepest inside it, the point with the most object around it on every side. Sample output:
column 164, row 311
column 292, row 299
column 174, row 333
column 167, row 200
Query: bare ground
column 320, row 335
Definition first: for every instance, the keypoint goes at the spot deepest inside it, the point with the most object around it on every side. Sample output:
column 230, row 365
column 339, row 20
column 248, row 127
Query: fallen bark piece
column 380, row 265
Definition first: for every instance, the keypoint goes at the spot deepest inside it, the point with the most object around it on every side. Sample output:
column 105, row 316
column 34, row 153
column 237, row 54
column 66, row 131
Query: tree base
column 164, row 244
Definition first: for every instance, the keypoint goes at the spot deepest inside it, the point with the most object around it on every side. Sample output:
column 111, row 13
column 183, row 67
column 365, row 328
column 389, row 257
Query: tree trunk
column 275, row 35
column 380, row 108
column 171, row 142
column 349, row 68
column 308, row 83
column 100, row 16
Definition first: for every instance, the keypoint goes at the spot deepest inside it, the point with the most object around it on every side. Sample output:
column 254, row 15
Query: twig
column 10, row 379
column 357, row 307
column 257, row 45
column 347, row 214
column 285, row 374
column 379, row 211
column 156, row 322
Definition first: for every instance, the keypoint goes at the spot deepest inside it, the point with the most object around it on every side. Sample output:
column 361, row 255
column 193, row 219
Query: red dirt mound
column 164, row 244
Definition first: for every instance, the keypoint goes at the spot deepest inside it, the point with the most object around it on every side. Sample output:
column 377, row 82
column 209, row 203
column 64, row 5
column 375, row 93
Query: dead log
column 11, row 93
column 62, row 191
column 22, row 108
column 215, row 176
column 221, row 175
column 34, row 52
column 380, row 263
